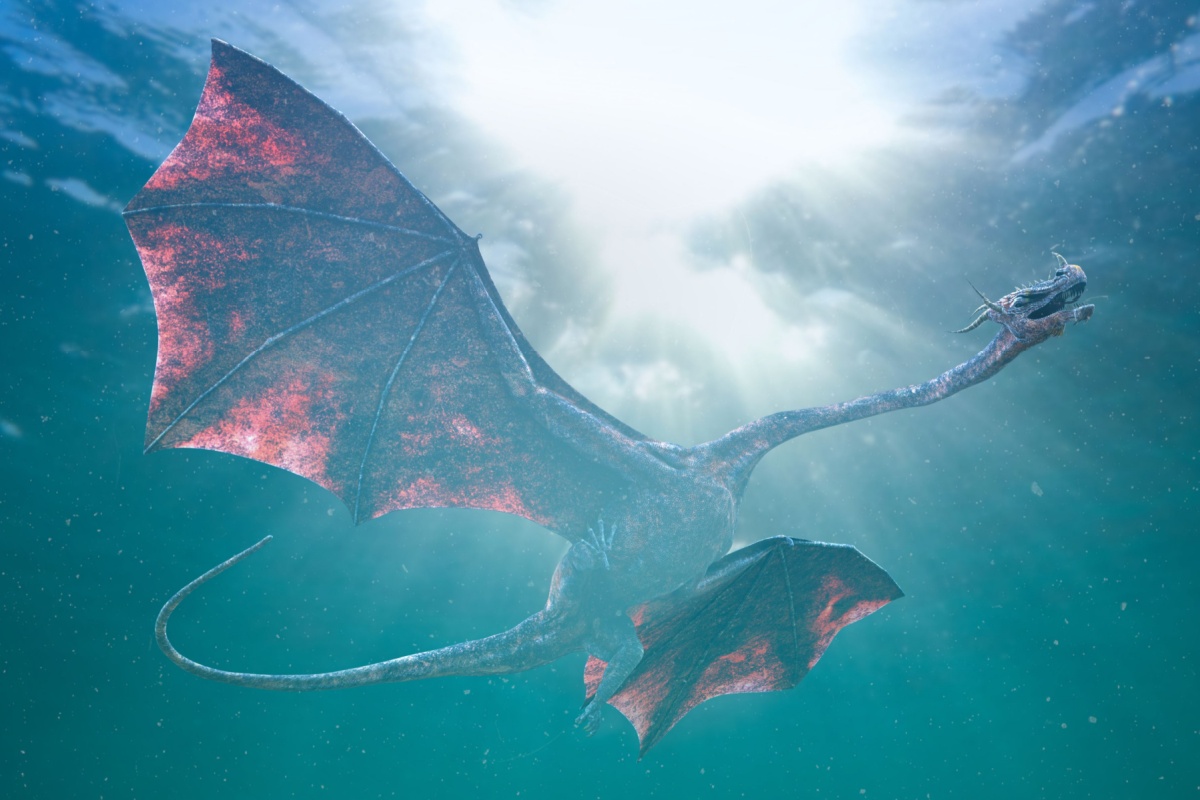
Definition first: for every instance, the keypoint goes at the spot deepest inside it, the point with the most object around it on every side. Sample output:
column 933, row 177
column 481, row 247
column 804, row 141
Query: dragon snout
column 1076, row 282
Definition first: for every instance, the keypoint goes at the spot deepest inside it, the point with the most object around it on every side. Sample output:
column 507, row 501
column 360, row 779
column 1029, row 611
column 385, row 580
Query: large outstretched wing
column 759, row 621
column 318, row 313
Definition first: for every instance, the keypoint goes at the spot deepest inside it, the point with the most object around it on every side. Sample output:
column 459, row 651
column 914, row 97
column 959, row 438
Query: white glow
column 660, row 109
column 721, row 305
column 650, row 114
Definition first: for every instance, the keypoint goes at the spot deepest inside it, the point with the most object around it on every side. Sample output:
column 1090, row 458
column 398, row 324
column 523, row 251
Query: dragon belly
column 668, row 539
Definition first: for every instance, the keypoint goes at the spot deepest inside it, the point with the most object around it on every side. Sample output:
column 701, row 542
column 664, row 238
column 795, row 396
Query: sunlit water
column 699, row 217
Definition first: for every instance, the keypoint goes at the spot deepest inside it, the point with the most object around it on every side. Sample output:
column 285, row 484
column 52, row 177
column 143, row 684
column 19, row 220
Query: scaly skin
column 662, row 536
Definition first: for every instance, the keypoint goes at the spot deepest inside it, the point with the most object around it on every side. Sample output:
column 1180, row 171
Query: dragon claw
column 599, row 544
column 589, row 719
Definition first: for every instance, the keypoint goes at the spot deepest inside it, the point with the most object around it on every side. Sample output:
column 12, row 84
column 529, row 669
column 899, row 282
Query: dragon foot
column 589, row 718
column 597, row 545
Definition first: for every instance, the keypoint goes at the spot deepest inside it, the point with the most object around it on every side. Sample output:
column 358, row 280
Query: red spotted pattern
column 842, row 606
column 289, row 424
column 223, row 129
column 185, row 343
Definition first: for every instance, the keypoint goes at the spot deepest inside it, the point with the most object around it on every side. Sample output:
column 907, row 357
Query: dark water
column 1042, row 526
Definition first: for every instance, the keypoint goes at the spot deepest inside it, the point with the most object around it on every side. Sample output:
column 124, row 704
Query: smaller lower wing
column 759, row 621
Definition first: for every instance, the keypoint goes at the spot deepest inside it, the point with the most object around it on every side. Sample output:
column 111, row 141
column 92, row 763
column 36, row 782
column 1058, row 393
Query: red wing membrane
column 758, row 622
column 316, row 313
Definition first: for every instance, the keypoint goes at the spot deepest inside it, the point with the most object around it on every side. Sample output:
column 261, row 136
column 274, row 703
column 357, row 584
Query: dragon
column 318, row 313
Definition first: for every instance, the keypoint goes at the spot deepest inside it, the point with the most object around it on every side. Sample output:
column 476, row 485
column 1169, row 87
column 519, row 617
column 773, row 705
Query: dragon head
column 1035, row 301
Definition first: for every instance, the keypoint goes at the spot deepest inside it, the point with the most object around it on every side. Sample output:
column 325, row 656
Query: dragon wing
column 318, row 313
column 759, row 620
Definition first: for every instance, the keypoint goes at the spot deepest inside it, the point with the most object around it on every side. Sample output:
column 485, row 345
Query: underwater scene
column 982, row 218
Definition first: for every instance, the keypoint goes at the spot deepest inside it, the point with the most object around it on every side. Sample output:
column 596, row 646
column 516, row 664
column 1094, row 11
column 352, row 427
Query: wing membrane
column 758, row 622
column 316, row 312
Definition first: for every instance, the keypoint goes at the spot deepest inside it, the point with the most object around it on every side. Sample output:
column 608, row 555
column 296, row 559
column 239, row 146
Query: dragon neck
column 738, row 452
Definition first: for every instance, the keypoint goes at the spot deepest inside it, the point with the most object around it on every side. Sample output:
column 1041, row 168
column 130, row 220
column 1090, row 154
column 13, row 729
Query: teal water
column 1042, row 525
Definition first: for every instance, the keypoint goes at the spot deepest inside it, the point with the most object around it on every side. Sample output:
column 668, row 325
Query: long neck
column 739, row 451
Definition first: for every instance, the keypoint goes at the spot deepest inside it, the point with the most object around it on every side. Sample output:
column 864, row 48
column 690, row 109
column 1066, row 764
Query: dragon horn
column 974, row 324
column 986, row 302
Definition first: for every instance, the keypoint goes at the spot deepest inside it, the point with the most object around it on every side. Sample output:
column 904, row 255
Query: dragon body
column 318, row 313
